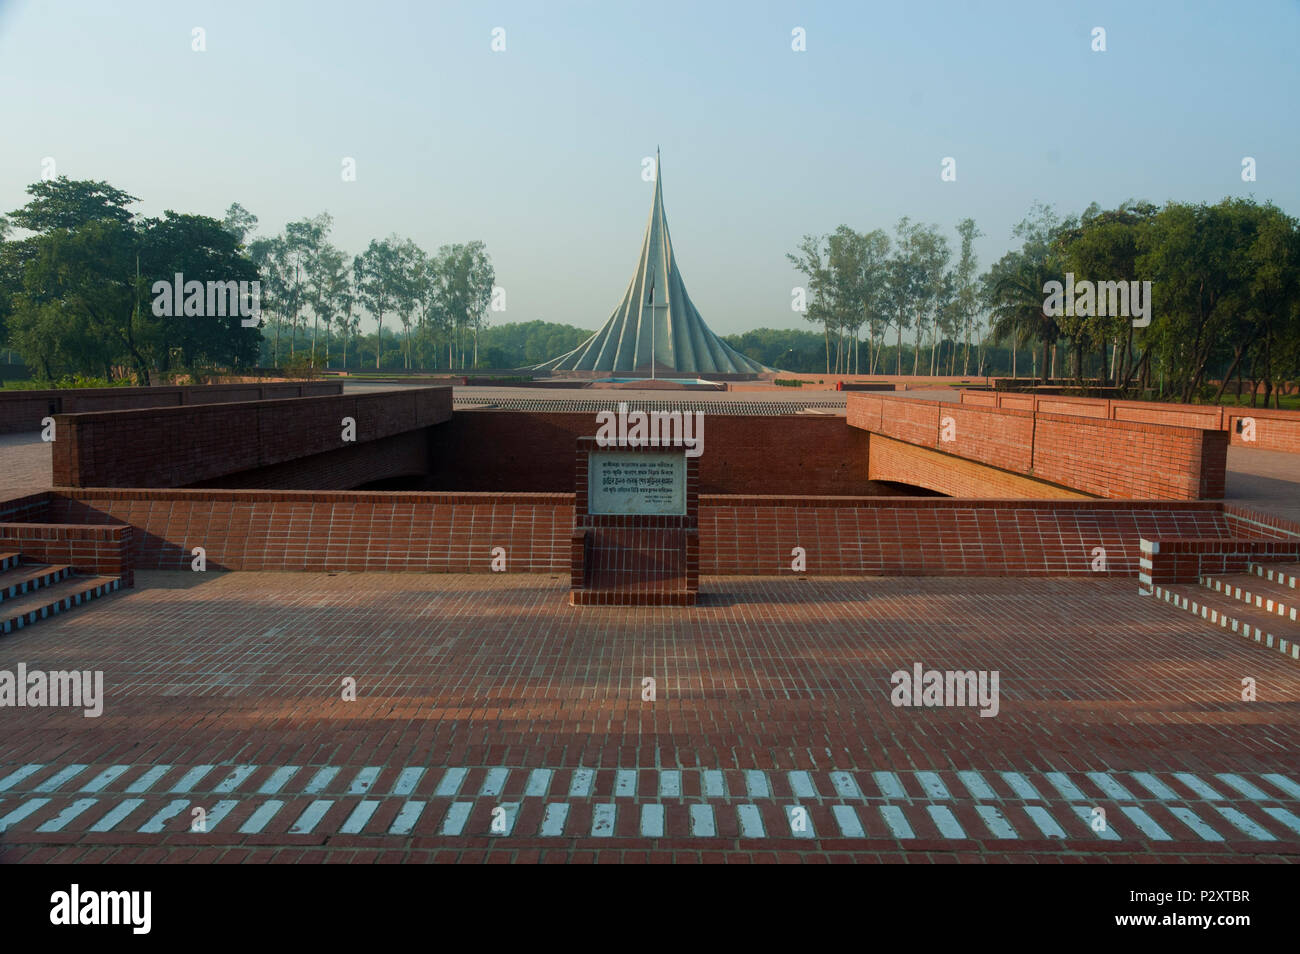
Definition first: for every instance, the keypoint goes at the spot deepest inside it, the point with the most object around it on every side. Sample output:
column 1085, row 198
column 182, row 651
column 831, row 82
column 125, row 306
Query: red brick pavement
column 777, row 676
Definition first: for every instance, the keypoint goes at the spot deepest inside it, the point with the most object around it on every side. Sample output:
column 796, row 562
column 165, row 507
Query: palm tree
column 1013, row 290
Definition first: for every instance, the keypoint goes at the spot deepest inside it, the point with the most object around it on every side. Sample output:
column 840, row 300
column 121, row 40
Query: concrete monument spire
column 656, row 317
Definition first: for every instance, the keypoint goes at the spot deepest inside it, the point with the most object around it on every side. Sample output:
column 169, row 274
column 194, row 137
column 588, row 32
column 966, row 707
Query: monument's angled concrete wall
column 180, row 446
column 1274, row 429
column 525, row 451
column 22, row 411
column 1104, row 458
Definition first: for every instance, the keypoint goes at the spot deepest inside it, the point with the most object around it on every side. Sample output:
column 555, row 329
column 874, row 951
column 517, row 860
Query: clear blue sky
column 537, row 150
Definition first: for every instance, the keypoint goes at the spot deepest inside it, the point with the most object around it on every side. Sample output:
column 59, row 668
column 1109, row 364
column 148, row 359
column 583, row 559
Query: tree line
column 1224, row 281
column 76, row 293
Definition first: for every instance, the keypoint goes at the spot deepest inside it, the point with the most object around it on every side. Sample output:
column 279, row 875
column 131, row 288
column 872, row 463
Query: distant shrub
column 69, row 381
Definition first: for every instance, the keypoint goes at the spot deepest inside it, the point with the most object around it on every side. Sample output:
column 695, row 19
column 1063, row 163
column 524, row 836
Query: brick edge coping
column 713, row 501
column 1141, row 426
column 142, row 412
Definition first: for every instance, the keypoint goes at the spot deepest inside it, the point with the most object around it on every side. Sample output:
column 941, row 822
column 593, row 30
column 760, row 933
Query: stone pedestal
column 636, row 538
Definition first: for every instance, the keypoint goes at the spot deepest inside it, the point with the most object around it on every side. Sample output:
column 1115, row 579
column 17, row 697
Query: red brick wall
column 174, row 447
column 22, row 410
column 939, row 537
column 405, row 532
column 330, row 530
column 401, row 455
column 954, row 476
column 1274, row 429
column 1186, row 559
column 30, row 508
column 98, row 550
column 521, row 451
column 1116, row 459
column 1251, row 523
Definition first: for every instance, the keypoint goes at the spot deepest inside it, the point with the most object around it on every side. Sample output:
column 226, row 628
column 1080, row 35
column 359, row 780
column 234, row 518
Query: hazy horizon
column 537, row 150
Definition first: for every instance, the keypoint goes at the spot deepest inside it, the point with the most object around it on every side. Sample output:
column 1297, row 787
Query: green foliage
column 68, row 381
column 527, row 343
column 77, row 294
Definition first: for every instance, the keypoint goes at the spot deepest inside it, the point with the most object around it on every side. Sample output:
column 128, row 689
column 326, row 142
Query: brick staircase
column 1262, row 604
column 31, row 591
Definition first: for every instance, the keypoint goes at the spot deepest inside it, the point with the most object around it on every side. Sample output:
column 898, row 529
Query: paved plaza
column 493, row 722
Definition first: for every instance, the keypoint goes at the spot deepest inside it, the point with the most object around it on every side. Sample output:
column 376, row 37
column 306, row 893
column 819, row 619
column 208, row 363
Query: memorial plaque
column 628, row 482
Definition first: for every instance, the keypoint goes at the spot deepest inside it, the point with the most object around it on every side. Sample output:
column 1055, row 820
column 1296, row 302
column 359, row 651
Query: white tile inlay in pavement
column 105, row 778
column 13, row 778
column 261, row 817
column 553, row 819
column 751, row 822
column 1045, row 822
column 356, row 822
column 889, row 784
column 1095, row 823
column 976, row 785
column 159, row 821
column 450, row 783
column 625, row 783
column 407, row 817
column 407, row 781
column 580, row 783
column 147, row 780
column 191, row 778
column 1194, row 822
column 234, row 779
column 494, row 782
column 321, row 780
column 995, row 822
column 703, row 824
column 364, row 779
column 1021, row 786
column 457, row 816
column 602, row 820
column 57, row 780
column 652, row 820
column 277, row 779
column 58, row 822
column 847, row 819
column 670, row 783
column 933, row 786
column 116, row 815
column 311, row 816
column 22, row 811
column 1145, row 823
column 1156, row 787
column 1196, row 785
column 539, row 783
